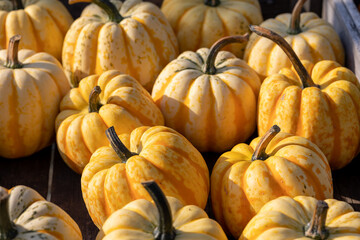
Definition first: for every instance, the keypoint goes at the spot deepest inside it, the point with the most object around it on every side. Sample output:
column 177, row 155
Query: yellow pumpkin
column 304, row 218
column 277, row 164
column 136, row 40
column 312, row 38
column 200, row 23
column 166, row 218
column 114, row 174
column 42, row 24
column 25, row 215
column 209, row 97
column 115, row 100
column 31, row 87
column 321, row 104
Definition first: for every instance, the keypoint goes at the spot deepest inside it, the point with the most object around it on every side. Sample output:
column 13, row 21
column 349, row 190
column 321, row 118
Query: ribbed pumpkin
column 312, row 38
column 304, row 218
column 200, row 23
column 101, row 101
column 31, row 87
column 42, row 24
column 209, row 96
column 277, row 164
column 26, row 215
column 137, row 40
column 324, row 108
column 167, row 218
column 114, row 174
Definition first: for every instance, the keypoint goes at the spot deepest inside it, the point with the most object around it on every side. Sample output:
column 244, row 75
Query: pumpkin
column 209, row 96
column 321, row 104
column 137, row 40
column 312, row 38
column 26, row 215
column 114, row 174
column 31, row 87
column 276, row 164
column 200, row 23
column 166, row 218
column 42, row 24
column 101, row 101
column 304, row 218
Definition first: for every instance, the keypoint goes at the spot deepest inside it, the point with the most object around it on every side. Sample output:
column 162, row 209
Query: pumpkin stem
column 209, row 67
column 110, row 9
column 212, row 3
column 294, row 27
column 94, row 101
column 316, row 227
column 115, row 142
column 17, row 4
column 299, row 67
column 259, row 153
column 7, row 228
column 165, row 230
column 12, row 60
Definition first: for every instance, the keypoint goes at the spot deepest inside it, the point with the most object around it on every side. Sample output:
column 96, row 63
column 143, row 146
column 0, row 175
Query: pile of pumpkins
column 135, row 93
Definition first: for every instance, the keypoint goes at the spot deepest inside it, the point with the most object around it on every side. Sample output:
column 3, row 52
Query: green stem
column 315, row 229
column 17, row 4
column 110, row 9
column 299, row 67
column 165, row 230
column 259, row 153
column 212, row 3
column 115, row 142
column 12, row 60
column 94, row 100
column 294, row 27
column 209, row 67
column 7, row 228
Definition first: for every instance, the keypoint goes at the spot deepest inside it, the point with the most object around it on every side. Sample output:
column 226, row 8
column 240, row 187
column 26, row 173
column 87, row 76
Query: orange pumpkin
column 114, row 174
column 278, row 164
column 321, row 104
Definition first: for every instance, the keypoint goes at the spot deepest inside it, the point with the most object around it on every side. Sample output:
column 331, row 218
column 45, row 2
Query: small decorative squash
column 209, row 96
column 25, row 215
column 167, row 219
column 42, row 24
column 200, row 23
column 304, row 218
column 312, row 38
column 137, row 40
column 321, row 104
column 114, row 174
column 101, row 101
column 277, row 164
column 31, row 87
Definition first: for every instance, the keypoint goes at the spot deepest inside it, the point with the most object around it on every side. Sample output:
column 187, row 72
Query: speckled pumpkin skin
column 164, row 155
column 240, row 187
column 42, row 25
column 198, row 25
column 126, row 105
column 36, row 219
column 29, row 102
column 140, row 45
column 328, row 115
column 214, row 112
column 317, row 41
column 285, row 218
column 138, row 220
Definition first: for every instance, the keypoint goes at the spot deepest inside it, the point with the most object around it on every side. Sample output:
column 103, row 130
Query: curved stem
column 94, row 101
column 294, row 27
column 17, row 4
column 299, row 67
column 259, row 153
column 212, row 3
column 316, row 227
column 165, row 230
column 7, row 229
column 217, row 46
column 115, row 142
column 12, row 60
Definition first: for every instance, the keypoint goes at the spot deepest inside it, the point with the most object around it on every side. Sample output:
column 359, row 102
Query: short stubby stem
column 316, row 229
column 12, row 60
column 94, row 100
column 17, row 4
column 212, row 3
column 259, row 153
